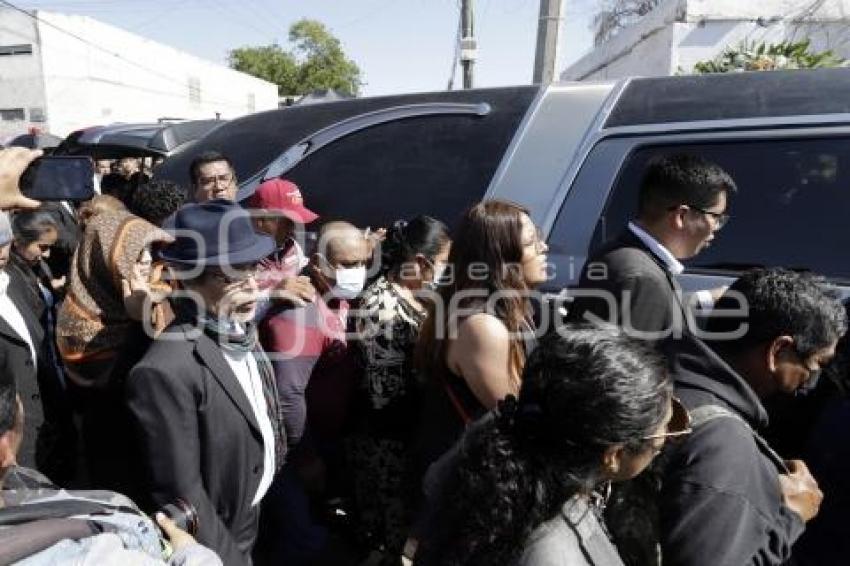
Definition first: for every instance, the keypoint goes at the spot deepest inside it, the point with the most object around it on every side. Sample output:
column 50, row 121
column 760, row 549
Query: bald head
column 343, row 242
column 343, row 248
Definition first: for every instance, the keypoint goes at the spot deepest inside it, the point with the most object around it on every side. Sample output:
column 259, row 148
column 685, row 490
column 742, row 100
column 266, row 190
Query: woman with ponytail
column 386, row 403
column 523, row 485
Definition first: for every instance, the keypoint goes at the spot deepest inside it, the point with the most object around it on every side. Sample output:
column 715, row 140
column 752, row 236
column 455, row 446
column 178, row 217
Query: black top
column 721, row 496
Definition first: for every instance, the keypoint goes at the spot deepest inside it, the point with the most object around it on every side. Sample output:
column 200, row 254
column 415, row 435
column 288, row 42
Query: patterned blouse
column 388, row 327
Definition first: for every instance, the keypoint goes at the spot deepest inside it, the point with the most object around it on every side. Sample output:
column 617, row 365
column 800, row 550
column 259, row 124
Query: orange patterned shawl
column 92, row 323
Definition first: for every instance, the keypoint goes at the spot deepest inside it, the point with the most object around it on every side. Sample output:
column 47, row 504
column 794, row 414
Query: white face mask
column 439, row 271
column 349, row 282
column 4, row 282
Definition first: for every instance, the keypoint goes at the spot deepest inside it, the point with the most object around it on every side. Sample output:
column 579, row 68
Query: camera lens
column 183, row 514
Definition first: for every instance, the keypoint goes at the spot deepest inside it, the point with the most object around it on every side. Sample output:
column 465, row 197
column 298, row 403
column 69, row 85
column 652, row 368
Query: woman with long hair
column 521, row 487
column 387, row 325
column 479, row 330
column 36, row 294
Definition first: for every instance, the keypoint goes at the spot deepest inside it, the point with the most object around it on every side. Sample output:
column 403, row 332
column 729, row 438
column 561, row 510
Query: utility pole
column 547, row 41
column 468, row 46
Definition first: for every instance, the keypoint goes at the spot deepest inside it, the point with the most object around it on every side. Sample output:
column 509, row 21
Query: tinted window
column 254, row 141
column 436, row 165
column 792, row 208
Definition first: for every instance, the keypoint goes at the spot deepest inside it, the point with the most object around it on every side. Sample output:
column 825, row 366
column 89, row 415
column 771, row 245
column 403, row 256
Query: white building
column 679, row 33
column 60, row 73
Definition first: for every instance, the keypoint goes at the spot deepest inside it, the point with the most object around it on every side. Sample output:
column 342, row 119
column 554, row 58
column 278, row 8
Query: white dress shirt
column 10, row 313
column 244, row 367
column 674, row 266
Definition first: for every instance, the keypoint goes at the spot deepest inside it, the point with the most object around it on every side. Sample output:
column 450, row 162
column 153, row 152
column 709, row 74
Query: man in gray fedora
column 203, row 397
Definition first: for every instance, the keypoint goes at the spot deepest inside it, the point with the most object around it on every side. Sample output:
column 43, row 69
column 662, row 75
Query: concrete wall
column 21, row 84
column 117, row 76
column 680, row 33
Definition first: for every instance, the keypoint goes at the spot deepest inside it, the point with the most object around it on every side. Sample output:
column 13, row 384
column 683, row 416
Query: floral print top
column 388, row 327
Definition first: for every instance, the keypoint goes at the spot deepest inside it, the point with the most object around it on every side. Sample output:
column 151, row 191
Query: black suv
column 573, row 154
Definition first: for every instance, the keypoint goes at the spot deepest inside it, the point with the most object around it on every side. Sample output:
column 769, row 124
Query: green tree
column 269, row 62
column 769, row 57
column 316, row 61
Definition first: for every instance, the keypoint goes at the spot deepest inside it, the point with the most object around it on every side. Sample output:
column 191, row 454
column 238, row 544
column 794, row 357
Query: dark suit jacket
column 641, row 288
column 198, row 438
column 49, row 435
column 16, row 359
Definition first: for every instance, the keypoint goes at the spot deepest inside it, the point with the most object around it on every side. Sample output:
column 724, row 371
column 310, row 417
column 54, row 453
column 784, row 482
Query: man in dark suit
column 203, row 397
column 631, row 280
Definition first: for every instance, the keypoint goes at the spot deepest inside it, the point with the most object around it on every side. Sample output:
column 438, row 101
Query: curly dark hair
column 157, row 200
column 779, row 302
column 582, row 392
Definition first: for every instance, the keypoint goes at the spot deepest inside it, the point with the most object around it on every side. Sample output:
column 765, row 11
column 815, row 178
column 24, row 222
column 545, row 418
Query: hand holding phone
column 13, row 162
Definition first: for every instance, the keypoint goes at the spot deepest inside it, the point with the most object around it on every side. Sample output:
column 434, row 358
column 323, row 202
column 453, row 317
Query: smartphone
column 59, row 178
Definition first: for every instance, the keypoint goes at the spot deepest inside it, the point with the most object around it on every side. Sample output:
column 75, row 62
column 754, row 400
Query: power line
column 182, row 83
column 273, row 18
column 248, row 24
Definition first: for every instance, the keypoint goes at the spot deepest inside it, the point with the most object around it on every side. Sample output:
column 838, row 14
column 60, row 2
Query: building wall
column 117, row 76
column 21, row 84
column 640, row 50
column 680, row 33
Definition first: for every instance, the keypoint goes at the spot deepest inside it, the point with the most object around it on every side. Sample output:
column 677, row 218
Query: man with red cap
column 278, row 208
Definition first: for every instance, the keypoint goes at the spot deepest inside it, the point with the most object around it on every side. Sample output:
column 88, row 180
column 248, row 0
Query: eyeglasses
column 679, row 424
column 235, row 277
column 720, row 218
column 212, row 180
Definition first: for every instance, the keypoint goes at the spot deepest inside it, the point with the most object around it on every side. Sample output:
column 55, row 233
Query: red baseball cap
column 282, row 195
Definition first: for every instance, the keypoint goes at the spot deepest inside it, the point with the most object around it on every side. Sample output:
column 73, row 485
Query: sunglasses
column 679, row 425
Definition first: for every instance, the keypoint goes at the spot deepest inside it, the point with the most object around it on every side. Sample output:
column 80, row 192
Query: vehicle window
column 435, row 165
column 791, row 209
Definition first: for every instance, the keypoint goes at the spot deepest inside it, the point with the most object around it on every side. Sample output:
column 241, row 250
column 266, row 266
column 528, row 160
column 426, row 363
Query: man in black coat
column 727, row 498
column 203, row 397
column 630, row 282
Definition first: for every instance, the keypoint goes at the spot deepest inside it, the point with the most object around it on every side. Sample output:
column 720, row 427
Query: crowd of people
column 399, row 395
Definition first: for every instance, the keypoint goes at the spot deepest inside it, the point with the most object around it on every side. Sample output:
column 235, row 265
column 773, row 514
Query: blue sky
column 400, row 45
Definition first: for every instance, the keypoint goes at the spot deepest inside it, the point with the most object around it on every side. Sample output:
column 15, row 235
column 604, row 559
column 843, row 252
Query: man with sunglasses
column 727, row 497
column 682, row 203
column 203, row 398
